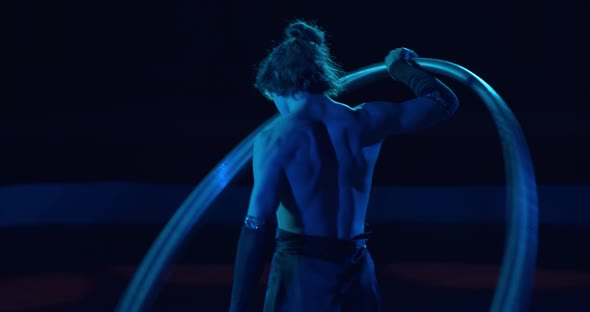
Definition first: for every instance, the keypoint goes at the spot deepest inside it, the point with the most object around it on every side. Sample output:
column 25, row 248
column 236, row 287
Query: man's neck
column 312, row 106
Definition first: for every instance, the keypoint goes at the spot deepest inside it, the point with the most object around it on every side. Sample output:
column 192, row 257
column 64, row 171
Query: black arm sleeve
column 423, row 83
column 248, row 267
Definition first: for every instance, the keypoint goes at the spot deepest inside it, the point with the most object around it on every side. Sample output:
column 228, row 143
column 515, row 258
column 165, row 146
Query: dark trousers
column 311, row 274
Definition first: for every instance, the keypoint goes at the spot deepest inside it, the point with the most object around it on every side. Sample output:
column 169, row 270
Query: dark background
column 158, row 92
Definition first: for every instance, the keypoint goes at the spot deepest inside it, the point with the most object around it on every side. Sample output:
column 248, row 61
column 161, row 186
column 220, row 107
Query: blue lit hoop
column 514, row 287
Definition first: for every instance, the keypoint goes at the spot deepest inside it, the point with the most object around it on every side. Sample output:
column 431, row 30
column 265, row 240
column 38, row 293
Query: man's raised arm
column 434, row 101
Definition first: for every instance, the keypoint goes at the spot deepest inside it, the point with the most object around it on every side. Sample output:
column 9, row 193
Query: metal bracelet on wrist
column 253, row 223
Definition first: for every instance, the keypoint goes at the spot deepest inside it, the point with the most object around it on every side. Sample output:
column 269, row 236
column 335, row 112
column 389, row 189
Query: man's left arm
column 267, row 165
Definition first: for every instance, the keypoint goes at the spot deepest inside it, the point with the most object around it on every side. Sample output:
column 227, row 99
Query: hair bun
column 305, row 31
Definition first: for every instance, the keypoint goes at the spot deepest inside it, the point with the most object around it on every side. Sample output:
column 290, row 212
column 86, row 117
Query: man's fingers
column 408, row 54
column 400, row 54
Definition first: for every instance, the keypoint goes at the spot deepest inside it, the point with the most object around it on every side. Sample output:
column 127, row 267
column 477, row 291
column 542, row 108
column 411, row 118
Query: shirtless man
column 313, row 172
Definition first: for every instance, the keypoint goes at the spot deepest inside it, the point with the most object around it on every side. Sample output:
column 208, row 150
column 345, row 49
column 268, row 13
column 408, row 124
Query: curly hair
column 300, row 63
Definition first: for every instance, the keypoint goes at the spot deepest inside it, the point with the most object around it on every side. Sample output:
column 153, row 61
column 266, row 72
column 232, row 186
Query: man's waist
column 328, row 248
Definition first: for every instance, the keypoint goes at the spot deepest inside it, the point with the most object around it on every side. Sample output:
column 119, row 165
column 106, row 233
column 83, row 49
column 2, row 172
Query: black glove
column 249, row 265
column 399, row 62
column 402, row 68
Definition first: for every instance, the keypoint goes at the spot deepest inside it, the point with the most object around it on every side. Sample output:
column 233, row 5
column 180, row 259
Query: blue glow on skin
column 514, row 288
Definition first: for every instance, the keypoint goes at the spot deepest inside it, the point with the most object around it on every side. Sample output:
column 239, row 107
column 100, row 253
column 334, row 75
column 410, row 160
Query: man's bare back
column 328, row 177
column 312, row 173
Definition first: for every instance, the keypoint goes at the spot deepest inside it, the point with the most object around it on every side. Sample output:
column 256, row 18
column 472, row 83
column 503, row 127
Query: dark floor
column 421, row 267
